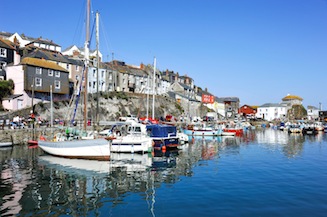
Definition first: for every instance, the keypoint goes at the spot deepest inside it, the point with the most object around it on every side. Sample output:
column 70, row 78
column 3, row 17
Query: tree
column 6, row 88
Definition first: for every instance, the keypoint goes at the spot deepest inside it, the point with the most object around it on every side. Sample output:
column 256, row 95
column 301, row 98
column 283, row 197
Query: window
column 57, row 74
column 2, row 65
column 3, row 52
column 50, row 72
column 76, row 67
column 38, row 82
column 67, row 66
column 57, row 84
column 38, row 70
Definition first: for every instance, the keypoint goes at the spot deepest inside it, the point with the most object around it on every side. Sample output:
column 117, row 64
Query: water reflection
column 33, row 183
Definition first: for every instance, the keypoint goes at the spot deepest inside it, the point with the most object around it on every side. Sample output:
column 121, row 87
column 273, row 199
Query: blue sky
column 257, row 50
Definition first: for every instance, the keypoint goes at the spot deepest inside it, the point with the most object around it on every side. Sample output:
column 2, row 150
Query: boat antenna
column 154, row 80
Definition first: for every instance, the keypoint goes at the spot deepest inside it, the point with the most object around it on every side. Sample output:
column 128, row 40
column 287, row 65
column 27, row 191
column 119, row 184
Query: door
column 19, row 104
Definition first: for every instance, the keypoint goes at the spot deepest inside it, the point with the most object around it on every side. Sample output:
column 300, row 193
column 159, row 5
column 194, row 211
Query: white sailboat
column 74, row 146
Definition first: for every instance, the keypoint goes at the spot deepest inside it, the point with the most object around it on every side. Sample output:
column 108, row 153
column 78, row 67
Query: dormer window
column 38, row 70
column 3, row 52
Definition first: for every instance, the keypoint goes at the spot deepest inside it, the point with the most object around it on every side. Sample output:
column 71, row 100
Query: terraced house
column 33, row 79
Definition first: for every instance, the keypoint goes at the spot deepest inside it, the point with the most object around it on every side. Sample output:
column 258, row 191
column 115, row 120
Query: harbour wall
column 21, row 136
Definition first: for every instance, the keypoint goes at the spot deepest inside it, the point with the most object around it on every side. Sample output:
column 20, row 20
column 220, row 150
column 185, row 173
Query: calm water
column 266, row 173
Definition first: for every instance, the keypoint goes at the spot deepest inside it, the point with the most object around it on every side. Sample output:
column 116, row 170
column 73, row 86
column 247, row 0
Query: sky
column 256, row 50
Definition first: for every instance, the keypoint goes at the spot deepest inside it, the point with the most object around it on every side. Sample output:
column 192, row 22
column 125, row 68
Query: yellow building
column 291, row 100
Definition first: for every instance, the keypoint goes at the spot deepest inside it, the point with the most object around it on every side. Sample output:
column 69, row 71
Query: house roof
column 5, row 34
column 291, row 97
column 230, row 99
column 48, row 55
column 6, row 44
column 272, row 105
column 42, row 63
column 253, row 107
column 14, row 96
column 312, row 107
column 43, row 41
column 186, row 87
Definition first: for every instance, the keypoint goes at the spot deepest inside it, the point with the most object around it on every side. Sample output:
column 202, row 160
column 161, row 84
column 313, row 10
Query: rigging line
column 105, row 37
column 92, row 33
column 78, row 95
column 78, row 24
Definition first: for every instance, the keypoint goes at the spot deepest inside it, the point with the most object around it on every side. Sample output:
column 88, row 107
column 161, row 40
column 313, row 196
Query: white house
column 271, row 111
column 313, row 112
column 74, row 51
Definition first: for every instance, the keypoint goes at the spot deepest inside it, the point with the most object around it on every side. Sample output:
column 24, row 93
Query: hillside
column 111, row 107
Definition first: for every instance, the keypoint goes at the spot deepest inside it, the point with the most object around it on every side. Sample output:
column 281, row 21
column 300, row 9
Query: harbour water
column 263, row 173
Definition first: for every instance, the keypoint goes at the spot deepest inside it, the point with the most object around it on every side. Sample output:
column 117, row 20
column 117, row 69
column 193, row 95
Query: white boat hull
column 131, row 144
column 228, row 133
column 202, row 132
column 182, row 137
column 5, row 144
column 82, row 149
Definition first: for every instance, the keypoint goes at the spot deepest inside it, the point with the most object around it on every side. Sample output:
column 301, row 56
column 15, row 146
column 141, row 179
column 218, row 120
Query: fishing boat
column 236, row 131
column 309, row 129
column 226, row 133
column 132, row 140
column 163, row 135
column 70, row 143
column 201, row 130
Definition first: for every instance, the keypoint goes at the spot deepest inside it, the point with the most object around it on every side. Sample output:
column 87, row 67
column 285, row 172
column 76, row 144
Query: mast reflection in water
column 263, row 172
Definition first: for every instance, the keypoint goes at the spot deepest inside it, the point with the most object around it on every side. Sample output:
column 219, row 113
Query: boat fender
column 163, row 149
column 42, row 138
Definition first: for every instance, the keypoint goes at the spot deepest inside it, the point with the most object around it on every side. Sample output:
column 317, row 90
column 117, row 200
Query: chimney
column 142, row 66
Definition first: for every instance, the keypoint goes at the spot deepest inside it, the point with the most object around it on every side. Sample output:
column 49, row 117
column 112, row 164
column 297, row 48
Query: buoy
column 163, row 148
column 42, row 138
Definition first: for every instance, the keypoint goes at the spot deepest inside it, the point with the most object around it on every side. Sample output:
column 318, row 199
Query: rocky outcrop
column 111, row 107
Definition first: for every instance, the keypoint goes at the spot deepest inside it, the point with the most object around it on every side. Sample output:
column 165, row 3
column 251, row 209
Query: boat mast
column 86, row 60
column 51, row 109
column 154, row 80
column 98, row 66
